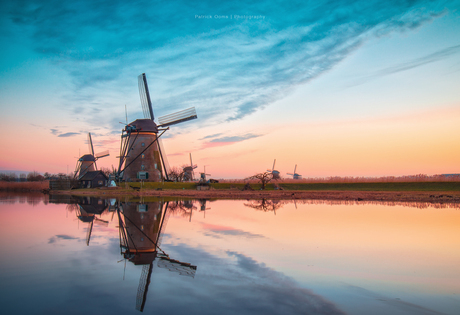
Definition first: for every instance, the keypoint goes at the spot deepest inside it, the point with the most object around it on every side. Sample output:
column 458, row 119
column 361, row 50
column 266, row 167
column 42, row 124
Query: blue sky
column 68, row 68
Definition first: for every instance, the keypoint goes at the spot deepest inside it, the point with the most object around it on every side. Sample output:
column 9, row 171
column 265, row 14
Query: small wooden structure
column 93, row 179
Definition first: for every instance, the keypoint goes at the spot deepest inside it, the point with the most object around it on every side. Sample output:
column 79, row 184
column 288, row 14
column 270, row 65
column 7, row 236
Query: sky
column 338, row 88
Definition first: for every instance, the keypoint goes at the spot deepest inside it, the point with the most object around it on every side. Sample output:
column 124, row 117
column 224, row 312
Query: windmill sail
column 183, row 269
column 177, row 117
column 143, row 288
column 166, row 166
column 102, row 154
column 90, row 144
column 145, row 97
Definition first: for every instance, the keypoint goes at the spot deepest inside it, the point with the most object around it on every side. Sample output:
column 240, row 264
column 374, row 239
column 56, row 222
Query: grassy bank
column 387, row 186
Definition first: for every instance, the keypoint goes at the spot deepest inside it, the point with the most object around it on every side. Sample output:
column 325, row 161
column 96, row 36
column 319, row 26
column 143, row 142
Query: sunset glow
column 359, row 89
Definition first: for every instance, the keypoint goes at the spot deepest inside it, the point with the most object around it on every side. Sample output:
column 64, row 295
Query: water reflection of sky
column 299, row 259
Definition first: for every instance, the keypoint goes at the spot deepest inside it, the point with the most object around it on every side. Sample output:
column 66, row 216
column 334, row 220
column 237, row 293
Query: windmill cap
column 88, row 157
column 145, row 125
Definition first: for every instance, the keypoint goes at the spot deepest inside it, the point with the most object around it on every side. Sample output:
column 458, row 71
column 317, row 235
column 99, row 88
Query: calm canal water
column 96, row 256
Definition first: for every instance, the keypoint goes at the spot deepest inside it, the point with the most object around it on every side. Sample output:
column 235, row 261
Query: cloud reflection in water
column 231, row 284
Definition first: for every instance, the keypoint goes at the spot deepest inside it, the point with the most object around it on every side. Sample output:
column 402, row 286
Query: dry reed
column 21, row 186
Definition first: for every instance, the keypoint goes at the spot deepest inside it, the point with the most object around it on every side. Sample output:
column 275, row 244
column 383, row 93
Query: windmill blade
column 90, row 144
column 182, row 268
column 102, row 154
column 145, row 97
column 177, row 117
column 143, row 288
column 163, row 157
column 191, row 163
column 295, row 168
column 101, row 222
column 273, row 168
column 88, row 235
column 290, row 174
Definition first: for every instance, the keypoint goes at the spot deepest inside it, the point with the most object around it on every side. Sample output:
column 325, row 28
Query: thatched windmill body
column 275, row 173
column 141, row 154
column 294, row 174
column 87, row 163
column 188, row 171
column 203, row 175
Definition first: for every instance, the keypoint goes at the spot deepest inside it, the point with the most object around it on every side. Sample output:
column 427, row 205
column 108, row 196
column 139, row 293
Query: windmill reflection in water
column 88, row 208
column 140, row 227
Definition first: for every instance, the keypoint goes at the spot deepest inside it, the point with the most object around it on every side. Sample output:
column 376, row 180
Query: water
column 251, row 257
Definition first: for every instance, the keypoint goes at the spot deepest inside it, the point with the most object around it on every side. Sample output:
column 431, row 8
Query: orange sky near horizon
column 422, row 142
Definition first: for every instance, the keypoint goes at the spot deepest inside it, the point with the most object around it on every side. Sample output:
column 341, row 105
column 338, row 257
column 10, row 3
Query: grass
column 165, row 185
column 388, row 186
column 370, row 186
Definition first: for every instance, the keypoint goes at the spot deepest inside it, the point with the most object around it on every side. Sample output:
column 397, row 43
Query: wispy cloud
column 68, row 134
column 175, row 154
column 235, row 138
column 436, row 56
column 218, row 230
column 228, row 140
column 397, row 303
column 211, row 136
column 227, row 68
column 57, row 132
column 56, row 238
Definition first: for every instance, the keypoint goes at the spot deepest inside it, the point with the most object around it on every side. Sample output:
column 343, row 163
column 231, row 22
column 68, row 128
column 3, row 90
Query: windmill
column 188, row 170
column 275, row 173
column 87, row 163
column 88, row 208
column 140, row 227
column 141, row 154
column 203, row 175
column 295, row 175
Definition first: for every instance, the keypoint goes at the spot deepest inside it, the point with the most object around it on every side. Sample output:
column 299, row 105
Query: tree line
column 31, row 177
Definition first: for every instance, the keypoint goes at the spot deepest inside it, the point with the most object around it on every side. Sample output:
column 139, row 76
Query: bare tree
column 265, row 205
column 264, row 178
column 35, row 177
column 8, row 177
column 176, row 174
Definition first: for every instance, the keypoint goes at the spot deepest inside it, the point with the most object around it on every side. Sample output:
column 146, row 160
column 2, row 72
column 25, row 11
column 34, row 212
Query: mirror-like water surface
column 66, row 255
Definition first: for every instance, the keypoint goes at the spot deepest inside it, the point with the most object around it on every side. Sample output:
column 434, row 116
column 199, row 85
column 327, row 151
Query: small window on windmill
column 143, row 144
column 142, row 175
column 142, row 227
column 142, row 167
column 142, row 155
column 156, row 166
column 142, row 208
